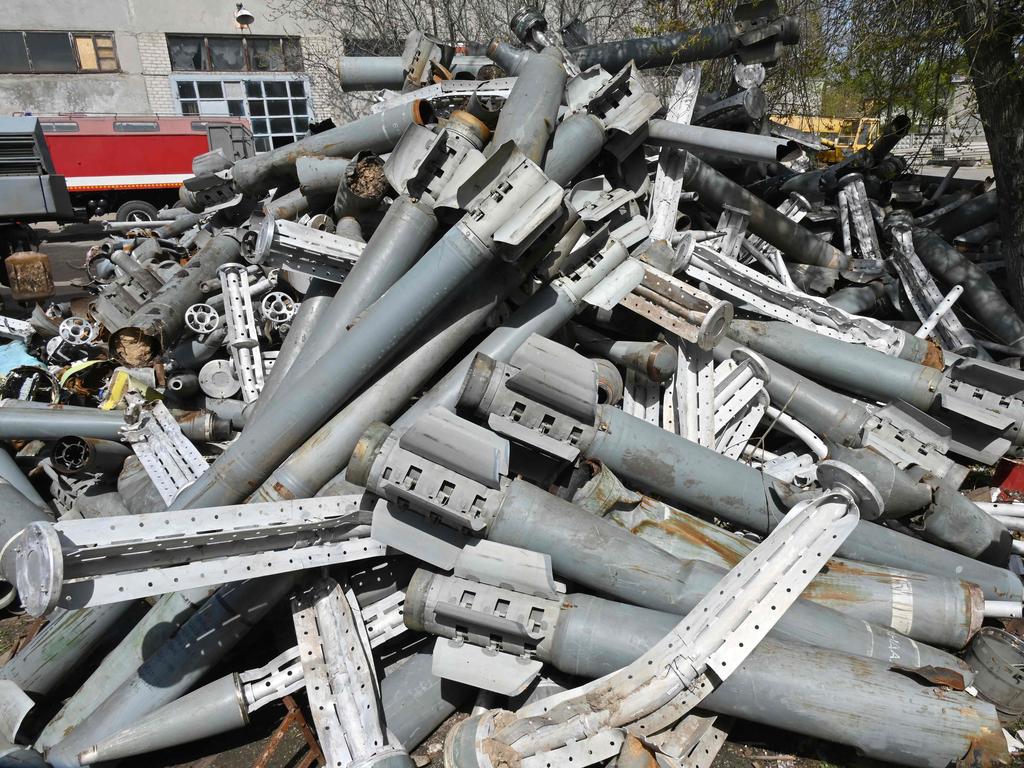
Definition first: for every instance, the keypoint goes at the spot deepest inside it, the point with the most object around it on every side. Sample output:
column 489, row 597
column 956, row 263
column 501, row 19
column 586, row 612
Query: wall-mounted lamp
column 243, row 16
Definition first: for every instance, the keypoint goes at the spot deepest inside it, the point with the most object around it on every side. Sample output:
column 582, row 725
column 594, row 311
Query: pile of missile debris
column 609, row 419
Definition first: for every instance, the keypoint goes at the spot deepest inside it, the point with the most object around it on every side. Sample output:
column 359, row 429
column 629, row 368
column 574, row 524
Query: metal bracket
column 595, row 199
column 491, row 616
column 169, row 458
column 663, row 210
column 82, row 563
column 17, row 330
column 769, row 297
column 924, row 295
column 686, row 311
column 312, row 252
column 341, row 683
column 242, row 339
column 443, row 467
column 425, row 161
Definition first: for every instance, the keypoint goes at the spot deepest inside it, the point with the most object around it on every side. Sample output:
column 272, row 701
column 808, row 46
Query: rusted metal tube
column 936, row 610
column 655, row 359
column 643, row 574
column 882, row 712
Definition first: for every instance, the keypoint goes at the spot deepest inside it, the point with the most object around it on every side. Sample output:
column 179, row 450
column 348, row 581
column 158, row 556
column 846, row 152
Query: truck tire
column 136, row 210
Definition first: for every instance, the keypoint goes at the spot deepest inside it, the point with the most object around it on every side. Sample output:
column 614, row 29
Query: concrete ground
column 974, row 172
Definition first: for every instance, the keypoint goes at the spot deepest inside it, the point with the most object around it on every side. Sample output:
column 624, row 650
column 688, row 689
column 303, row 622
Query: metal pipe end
column 39, row 567
column 422, row 112
column 365, row 452
column 474, row 387
column 662, row 362
column 609, row 381
column 134, row 347
column 415, row 609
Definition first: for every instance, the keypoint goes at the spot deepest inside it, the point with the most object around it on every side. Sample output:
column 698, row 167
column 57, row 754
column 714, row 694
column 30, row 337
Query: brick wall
column 156, row 66
column 317, row 55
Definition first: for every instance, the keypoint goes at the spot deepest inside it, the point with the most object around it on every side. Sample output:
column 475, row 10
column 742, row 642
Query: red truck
column 134, row 165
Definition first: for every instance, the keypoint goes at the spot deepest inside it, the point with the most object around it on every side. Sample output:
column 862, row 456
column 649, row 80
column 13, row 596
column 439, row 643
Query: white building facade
column 144, row 57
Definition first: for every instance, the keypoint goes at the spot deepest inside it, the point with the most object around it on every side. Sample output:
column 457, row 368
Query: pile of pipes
column 606, row 418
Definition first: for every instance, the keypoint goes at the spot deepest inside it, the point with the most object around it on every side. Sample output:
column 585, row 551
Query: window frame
column 92, row 38
column 72, row 36
column 247, row 53
column 243, row 77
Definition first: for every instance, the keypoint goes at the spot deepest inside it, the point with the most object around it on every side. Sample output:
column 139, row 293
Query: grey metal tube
column 979, row 235
column 939, row 611
column 655, row 359
column 656, row 461
column 371, row 73
column 745, row 146
column 982, row 297
column 194, row 352
column 530, row 112
column 509, row 57
column 543, row 313
column 66, row 641
column 713, row 42
column 11, row 472
column 796, row 243
column 162, row 319
column 971, row 214
column 320, row 175
column 577, row 140
column 643, row 574
column 812, row 691
column 377, row 133
column 180, row 225
column 401, row 238
column 293, row 204
column 329, row 384
column 18, row 512
column 159, row 624
column 327, row 452
column 213, row 709
column 178, row 665
column 50, row 422
column 843, row 364
column 136, row 271
column 416, row 702
column 314, row 306
column 859, row 299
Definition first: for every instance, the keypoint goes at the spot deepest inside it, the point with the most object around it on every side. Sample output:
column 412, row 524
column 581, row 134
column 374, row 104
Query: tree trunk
column 988, row 29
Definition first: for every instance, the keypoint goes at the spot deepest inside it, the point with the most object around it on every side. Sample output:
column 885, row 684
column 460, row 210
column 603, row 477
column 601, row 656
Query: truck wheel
column 136, row 210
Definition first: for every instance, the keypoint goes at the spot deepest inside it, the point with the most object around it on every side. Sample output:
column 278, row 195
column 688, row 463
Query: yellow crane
column 842, row 135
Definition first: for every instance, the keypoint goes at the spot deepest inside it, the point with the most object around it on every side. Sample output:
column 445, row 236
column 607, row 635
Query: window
column 57, row 52
column 135, row 126
column 96, row 53
column 198, row 53
column 278, row 107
